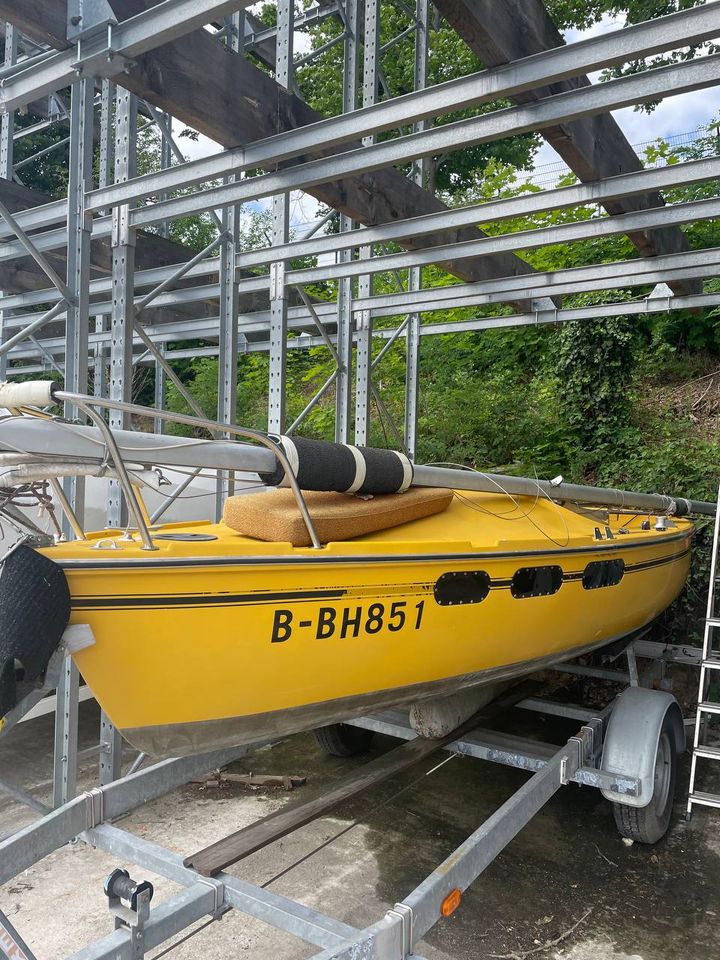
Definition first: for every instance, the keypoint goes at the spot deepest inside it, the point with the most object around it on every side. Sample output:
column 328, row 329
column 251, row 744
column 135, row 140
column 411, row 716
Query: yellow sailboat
column 232, row 639
column 279, row 619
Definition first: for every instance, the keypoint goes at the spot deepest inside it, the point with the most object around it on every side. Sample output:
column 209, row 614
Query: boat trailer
column 615, row 749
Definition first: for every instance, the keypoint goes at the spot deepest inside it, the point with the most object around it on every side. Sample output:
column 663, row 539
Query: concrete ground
column 567, row 887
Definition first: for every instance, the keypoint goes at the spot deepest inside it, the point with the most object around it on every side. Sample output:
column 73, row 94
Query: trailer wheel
column 650, row 823
column 342, row 740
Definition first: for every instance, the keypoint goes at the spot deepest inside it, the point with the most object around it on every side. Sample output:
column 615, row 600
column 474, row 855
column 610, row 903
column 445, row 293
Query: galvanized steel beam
column 620, row 274
column 524, row 205
column 319, row 134
column 492, row 211
column 7, row 145
column 108, row 54
column 198, row 96
column 626, row 91
column 593, row 147
column 647, row 219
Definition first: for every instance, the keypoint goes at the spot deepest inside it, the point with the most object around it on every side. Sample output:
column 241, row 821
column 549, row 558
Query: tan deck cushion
column 274, row 515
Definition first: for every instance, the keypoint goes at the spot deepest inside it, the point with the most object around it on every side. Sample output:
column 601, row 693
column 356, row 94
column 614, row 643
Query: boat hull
column 180, row 739
column 195, row 653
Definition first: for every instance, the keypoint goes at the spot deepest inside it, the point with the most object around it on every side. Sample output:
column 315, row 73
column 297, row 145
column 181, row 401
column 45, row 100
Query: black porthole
column 603, row 573
column 536, row 582
column 470, row 586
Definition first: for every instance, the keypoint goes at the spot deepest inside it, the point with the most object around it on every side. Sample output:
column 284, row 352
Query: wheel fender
column 630, row 744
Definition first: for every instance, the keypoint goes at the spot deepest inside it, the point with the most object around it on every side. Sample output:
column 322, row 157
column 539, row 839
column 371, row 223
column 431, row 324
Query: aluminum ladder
column 709, row 671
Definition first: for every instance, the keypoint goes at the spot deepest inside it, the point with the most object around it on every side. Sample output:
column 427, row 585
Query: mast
column 560, row 491
column 307, row 458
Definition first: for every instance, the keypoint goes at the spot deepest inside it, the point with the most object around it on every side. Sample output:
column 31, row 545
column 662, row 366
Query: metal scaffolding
column 95, row 283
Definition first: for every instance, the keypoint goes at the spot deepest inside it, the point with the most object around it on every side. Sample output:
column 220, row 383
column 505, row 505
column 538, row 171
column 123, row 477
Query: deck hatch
column 192, row 537
column 603, row 573
column 536, row 581
column 466, row 586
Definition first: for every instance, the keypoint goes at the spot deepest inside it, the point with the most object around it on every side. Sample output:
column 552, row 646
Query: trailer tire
column 649, row 824
column 342, row 740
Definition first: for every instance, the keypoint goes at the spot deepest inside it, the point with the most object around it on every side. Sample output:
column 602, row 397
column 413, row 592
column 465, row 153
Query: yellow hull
column 229, row 640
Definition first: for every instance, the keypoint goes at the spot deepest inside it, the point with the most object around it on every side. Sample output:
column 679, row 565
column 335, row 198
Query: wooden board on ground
column 237, row 846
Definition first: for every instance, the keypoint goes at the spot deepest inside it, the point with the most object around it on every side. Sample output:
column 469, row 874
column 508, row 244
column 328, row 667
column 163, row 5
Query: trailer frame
column 139, row 928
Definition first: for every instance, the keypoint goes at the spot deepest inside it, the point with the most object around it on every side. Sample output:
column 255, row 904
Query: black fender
column 34, row 612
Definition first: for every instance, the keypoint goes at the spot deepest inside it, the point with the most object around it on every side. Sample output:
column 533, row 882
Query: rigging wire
column 506, row 515
column 355, row 823
column 24, row 497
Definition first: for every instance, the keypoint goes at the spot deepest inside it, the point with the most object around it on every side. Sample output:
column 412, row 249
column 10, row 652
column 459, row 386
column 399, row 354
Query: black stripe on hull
column 196, row 600
column 260, row 599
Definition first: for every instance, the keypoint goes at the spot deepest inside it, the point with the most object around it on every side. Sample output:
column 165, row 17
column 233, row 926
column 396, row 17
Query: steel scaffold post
column 79, row 231
column 7, row 143
column 110, row 751
column 363, row 337
column 160, row 388
column 228, row 332
column 66, row 734
column 105, row 178
column 166, row 153
column 419, row 175
column 7, row 125
column 107, row 143
column 345, row 318
column 280, row 231
column 99, row 359
column 110, row 742
column 123, row 270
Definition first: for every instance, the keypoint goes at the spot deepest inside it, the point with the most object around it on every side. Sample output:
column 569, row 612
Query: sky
column 674, row 115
